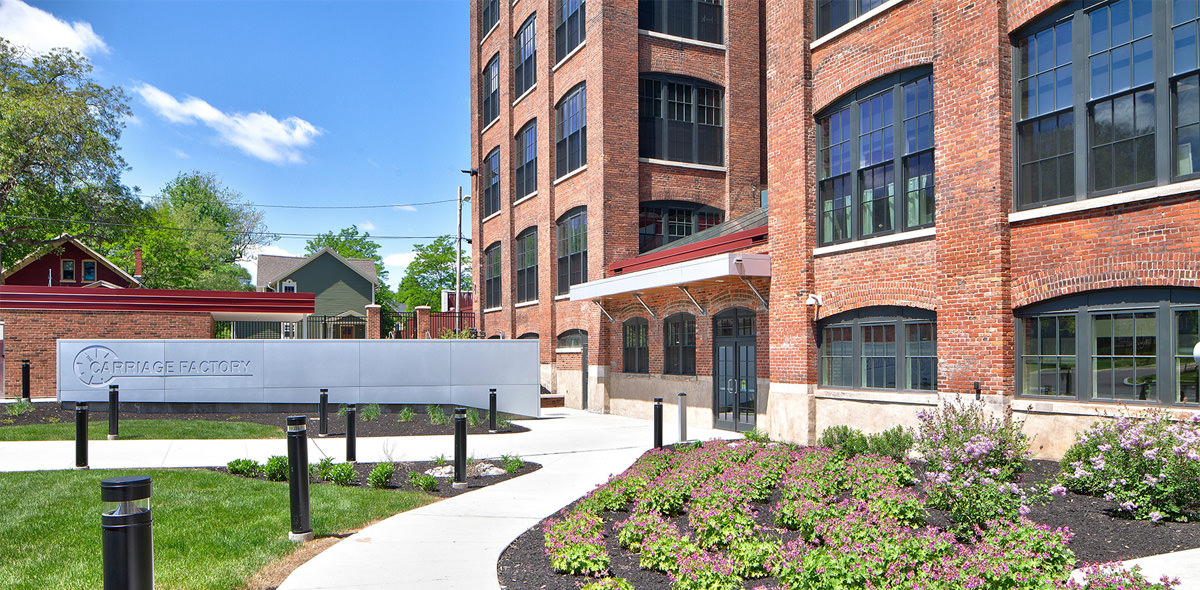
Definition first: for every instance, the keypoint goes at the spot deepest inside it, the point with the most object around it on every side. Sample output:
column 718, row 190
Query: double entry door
column 735, row 370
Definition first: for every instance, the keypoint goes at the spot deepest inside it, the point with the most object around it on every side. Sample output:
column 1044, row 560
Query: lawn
column 144, row 430
column 211, row 531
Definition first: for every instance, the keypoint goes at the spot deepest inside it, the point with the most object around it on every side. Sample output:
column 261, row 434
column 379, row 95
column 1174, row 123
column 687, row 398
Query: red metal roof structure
column 216, row 302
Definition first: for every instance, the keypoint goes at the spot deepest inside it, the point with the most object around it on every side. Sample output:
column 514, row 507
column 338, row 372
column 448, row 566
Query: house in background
column 68, row 262
column 343, row 287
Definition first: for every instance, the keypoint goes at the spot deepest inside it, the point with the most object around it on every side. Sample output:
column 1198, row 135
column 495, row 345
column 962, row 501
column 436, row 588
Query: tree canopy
column 59, row 163
column 349, row 243
column 431, row 271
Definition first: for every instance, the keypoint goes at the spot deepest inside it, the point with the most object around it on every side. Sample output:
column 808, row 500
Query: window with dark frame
column 491, row 183
column 572, row 338
column 572, row 249
column 489, row 15
column 679, row 344
column 525, row 261
column 1127, row 345
column 489, row 92
column 570, row 138
column 680, row 119
column 525, row 157
column 525, row 56
column 636, row 345
column 870, row 142
column 68, row 271
column 662, row 222
column 491, row 277
column 1106, row 99
column 570, row 27
column 832, row 14
column 701, row 20
column 89, row 270
column 879, row 348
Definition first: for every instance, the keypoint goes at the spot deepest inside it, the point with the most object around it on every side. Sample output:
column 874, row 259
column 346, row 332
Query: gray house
column 343, row 288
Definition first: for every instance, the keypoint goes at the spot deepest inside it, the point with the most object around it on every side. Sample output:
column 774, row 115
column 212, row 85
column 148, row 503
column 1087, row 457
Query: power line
column 203, row 230
column 392, row 206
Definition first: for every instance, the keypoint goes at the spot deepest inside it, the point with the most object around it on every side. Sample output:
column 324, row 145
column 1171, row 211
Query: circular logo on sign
column 93, row 365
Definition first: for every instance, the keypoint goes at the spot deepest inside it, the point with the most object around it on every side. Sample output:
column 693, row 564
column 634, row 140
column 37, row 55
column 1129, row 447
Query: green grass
column 211, row 531
column 144, row 430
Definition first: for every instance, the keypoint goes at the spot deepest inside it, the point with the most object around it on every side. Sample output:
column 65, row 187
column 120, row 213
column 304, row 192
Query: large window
column 570, row 138
column 879, row 348
column 636, row 345
column 525, row 157
column 570, row 27
column 491, row 183
column 525, row 57
column 679, row 344
column 573, row 339
column 871, row 143
column 489, row 15
column 663, row 222
column 1124, row 345
column 680, row 119
column 1107, row 98
column 525, row 261
column 832, row 14
column 694, row 19
column 572, row 249
column 491, row 276
column 489, row 92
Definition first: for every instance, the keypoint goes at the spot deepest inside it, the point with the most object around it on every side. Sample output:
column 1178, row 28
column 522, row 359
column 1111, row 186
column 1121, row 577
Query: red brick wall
column 33, row 334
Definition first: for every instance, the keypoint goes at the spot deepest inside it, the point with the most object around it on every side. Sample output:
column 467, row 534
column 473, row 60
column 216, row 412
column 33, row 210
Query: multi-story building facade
column 996, row 200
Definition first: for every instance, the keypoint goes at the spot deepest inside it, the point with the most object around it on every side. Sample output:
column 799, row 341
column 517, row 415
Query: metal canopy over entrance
column 735, row 370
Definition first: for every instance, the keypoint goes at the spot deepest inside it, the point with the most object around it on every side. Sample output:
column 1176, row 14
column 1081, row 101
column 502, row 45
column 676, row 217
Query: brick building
column 990, row 199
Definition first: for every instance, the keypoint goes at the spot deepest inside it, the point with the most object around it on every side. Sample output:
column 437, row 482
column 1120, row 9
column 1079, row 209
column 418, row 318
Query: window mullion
column 1164, row 128
column 1081, row 86
column 856, row 160
column 899, row 175
column 1084, row 345
column 1165, row 347
column 856, row 353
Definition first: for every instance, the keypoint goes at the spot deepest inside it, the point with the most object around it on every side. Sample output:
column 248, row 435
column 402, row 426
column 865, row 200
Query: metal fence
column 242, row 330
column 397, row 324
column 334, row 327
column 447, row 321
column 392, row 324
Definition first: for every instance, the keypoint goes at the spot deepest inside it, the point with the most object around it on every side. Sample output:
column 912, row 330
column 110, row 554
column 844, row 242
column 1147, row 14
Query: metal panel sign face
column 289, row 371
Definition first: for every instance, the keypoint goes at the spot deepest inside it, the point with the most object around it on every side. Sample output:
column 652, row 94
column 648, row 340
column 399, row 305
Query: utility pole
column 458, row 268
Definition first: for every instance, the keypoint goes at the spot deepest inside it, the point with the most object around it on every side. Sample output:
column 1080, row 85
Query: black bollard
column 114, row 406
column 658, row 419
column 297, row 445
column 323, row 427
column 492, row 410
column 81, row 435
column 126, row 537
column 460, row 449
column 682, row 417
column 25, row 379
column 977, row 391
column 350, row 454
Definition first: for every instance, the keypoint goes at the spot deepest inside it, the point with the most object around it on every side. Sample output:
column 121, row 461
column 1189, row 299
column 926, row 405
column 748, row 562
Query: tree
column 59, row 163
column 350, row 244
column 432, row 270
column 197, row 230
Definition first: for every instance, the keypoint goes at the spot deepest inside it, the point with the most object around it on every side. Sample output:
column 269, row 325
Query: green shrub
column 439, row 461
column 244, row 467
column 757, row 436
column 276, row 468
column 511, row 463
column 323, row 467
column 381, row 475
column 406, row 414
column 473, row 418
column 503, row 421
column 16, row 408
column 575, row 544
column 894, row 442
column 342, row 474
column 437, row 416
column 609, row 584
column 705, row 571
column 846, row 441
column 750, row 556
column 422, row 481
column 369, row 412
column 662, row 550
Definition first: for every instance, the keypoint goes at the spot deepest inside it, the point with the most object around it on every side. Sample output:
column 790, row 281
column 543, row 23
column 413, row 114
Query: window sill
column 686, row 40
column 525, row 304
column 683, row 164
column 524, row 198
column 490, row 217
column 489, row 33
column 1073, row 407
column 574, row 172
column 527, row 92
column 492, row 309
column 566, row 58
column 912, row 398
column 562, row 297
column 862, row 18
column 568, row 351
column 1133, row 196
column 489, row 126
column 907, row 236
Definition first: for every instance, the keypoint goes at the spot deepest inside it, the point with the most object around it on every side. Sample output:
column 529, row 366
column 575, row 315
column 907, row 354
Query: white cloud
column 366, row 226
column 250, row 262
column 182, row 155
column 396, row 264
column 40, row 31
column 404, row 208
column 257, row 134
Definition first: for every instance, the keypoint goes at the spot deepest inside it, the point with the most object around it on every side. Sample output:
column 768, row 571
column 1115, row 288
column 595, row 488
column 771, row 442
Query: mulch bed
column 1100, row 536
column 400, row 478
column 387, row 424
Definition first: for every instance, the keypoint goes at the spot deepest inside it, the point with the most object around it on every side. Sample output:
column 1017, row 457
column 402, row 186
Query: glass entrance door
column 735, row 370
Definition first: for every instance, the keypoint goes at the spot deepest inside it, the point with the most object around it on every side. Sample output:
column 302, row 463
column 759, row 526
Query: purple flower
column 1128, row 506
column 1058, row 490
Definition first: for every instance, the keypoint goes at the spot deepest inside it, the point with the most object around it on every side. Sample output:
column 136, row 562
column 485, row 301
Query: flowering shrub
column 719, row 520
column 1149, row 466
column 609, row 584
column 705, row 571
column 750, row 556
column 1111, row 576
column 663, row 547
column 575, row 544
column 636, row 527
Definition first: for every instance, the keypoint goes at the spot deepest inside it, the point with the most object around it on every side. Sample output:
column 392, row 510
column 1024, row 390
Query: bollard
column 351, row 410
column 114, row 406
column 492, row 410
column 126, row 537
column 25, row 379
column 658, row 419
column 682, row 416
column 81, row 440
column 297, row 445
column 323, row 427
column 460, row 449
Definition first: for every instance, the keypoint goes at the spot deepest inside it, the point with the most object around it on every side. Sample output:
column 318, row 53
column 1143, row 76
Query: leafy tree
column 349, row 243
column 197, row 231
column 432, row 270
column 59, row 157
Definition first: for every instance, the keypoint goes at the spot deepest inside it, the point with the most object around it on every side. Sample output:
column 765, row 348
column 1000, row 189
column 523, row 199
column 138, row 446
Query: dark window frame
column 83, row 271
column 679, row 344
column 67, row 272
column 525, row 263
column 830, row 15
column 571, row 242
column 855, row 323
column 570, row 27
column 491, row 183
column 635, row 345
column 690, row 19
column 525, row 160
column 681, row 119
column 489, row 16
column 570, row 131
column 525, row 56
column 659, row 222
column 489, row 92
column 573, row 338
column 492, row 283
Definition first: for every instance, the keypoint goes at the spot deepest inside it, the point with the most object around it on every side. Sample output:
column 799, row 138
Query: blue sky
column 289, row 102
